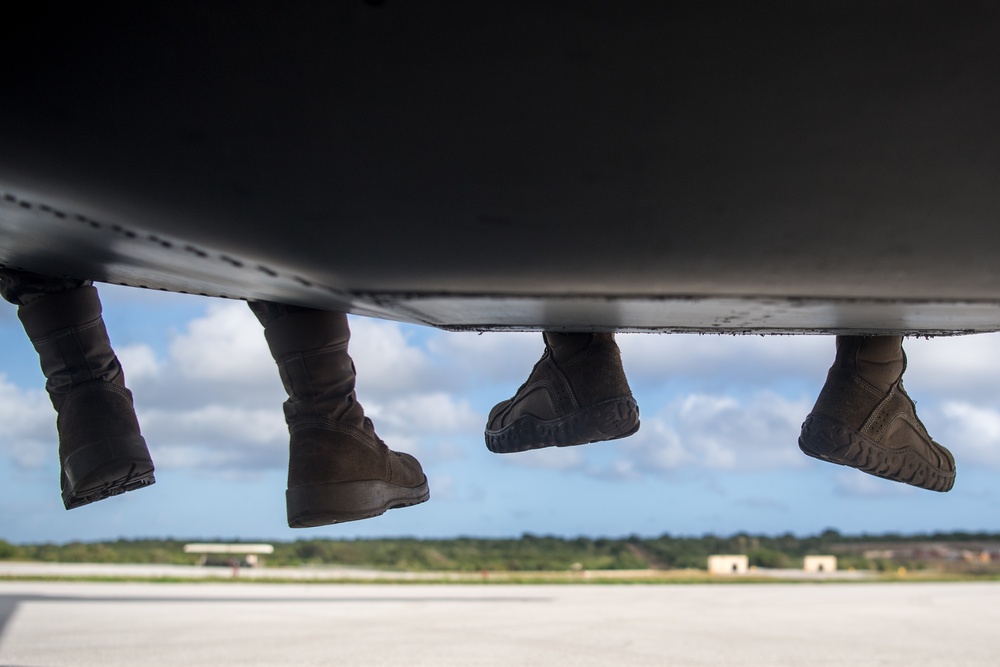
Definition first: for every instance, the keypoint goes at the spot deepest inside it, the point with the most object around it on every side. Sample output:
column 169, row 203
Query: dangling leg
column 101, row 450
column 576, row 393
column 338, row 468
column 864, row 419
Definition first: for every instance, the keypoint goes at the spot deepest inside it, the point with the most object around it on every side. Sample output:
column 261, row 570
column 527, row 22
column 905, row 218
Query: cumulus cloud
column 28, row 436
column 387, row 359
column 708, row 431
column 959, row 367
column 972, row 433
column 199, row 418
column 435, row 413
column 219, row 358
column 722, row 432
column 141, row 362
column 492, row 357
column 215, row 425
column 753, row 360
column 227, row 345
column 657, row 446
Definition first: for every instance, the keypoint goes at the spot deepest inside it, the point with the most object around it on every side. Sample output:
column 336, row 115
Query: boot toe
column 406, row 470
column 338, row 473
column 495, row 421
column 946, row 461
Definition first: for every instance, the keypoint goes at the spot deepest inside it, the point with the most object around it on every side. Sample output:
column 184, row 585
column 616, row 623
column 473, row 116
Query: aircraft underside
column 767, row 167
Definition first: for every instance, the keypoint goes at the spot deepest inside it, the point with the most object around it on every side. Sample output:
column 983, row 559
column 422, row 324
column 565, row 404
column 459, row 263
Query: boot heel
column 339, row 502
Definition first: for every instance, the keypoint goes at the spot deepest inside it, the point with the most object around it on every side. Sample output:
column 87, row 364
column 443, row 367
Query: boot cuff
column 305, row 331
column 60, row 310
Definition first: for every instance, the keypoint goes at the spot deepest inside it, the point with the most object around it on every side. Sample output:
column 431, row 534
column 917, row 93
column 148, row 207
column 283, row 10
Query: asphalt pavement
column 49, row 624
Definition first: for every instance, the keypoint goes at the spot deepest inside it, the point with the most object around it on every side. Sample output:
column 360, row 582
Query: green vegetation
column 952, row 552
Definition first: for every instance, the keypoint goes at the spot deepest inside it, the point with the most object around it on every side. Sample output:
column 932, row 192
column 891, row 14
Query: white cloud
column 219, row 358
column 972, row 433
column 226, row 345
column 653, row 357
column 657, row 446
column 28, row 435
column 216, row 436
column 425, row 414
column 141, row 362
column 710, row 431
column 723, row 432
column 385, row 358
column 492, row 356
column 749, row 359
column 220, row 424
column 230, row 463
column 959, row 367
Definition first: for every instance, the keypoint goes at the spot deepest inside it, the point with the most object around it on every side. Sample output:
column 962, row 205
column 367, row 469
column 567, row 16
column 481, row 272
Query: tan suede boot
column 864, row 419
column 101, row 450
column 576, row 393
column 338, row 468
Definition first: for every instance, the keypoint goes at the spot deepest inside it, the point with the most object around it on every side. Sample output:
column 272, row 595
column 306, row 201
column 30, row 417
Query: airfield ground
column 240, row 623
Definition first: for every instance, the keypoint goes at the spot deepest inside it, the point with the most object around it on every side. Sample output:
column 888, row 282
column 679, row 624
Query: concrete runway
column 52, row 624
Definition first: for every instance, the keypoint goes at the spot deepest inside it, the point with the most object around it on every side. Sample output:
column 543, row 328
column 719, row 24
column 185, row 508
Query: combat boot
column 576, row 393
column 338, row 469
column 864, row 419
column 101, row 450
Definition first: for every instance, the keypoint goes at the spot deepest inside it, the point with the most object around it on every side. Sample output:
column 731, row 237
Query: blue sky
column 716, row 452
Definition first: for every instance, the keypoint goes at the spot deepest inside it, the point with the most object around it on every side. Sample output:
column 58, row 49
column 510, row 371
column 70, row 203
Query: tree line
column 526, row 553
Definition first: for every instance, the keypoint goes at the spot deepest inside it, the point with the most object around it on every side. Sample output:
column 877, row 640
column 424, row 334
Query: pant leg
column 22, row 287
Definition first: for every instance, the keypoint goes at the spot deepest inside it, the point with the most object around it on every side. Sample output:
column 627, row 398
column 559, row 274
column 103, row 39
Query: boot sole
column 326, row 504
column 826, row 439
column 104, row 469
column 610, row 420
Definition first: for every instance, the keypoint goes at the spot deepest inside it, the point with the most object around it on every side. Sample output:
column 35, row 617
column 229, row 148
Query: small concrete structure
column 728, row 564
column 819, row 564
column 250, row 552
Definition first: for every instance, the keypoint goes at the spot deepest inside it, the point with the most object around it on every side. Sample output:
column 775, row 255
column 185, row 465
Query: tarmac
column 50, row 624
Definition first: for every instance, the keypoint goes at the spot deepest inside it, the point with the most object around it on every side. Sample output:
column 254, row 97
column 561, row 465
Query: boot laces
column 370, row 427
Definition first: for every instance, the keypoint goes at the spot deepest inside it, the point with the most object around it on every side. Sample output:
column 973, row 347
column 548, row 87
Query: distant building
column 251, row 552
column 728, row 564
column 819, row 564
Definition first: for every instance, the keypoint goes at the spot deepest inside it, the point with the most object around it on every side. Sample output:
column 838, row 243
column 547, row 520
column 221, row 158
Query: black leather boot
column 338, row 468
column 101, row 449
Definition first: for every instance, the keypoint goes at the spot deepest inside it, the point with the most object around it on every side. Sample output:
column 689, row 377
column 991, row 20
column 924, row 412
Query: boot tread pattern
column 113, row 479
column 826, row 439
column 608, row 420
